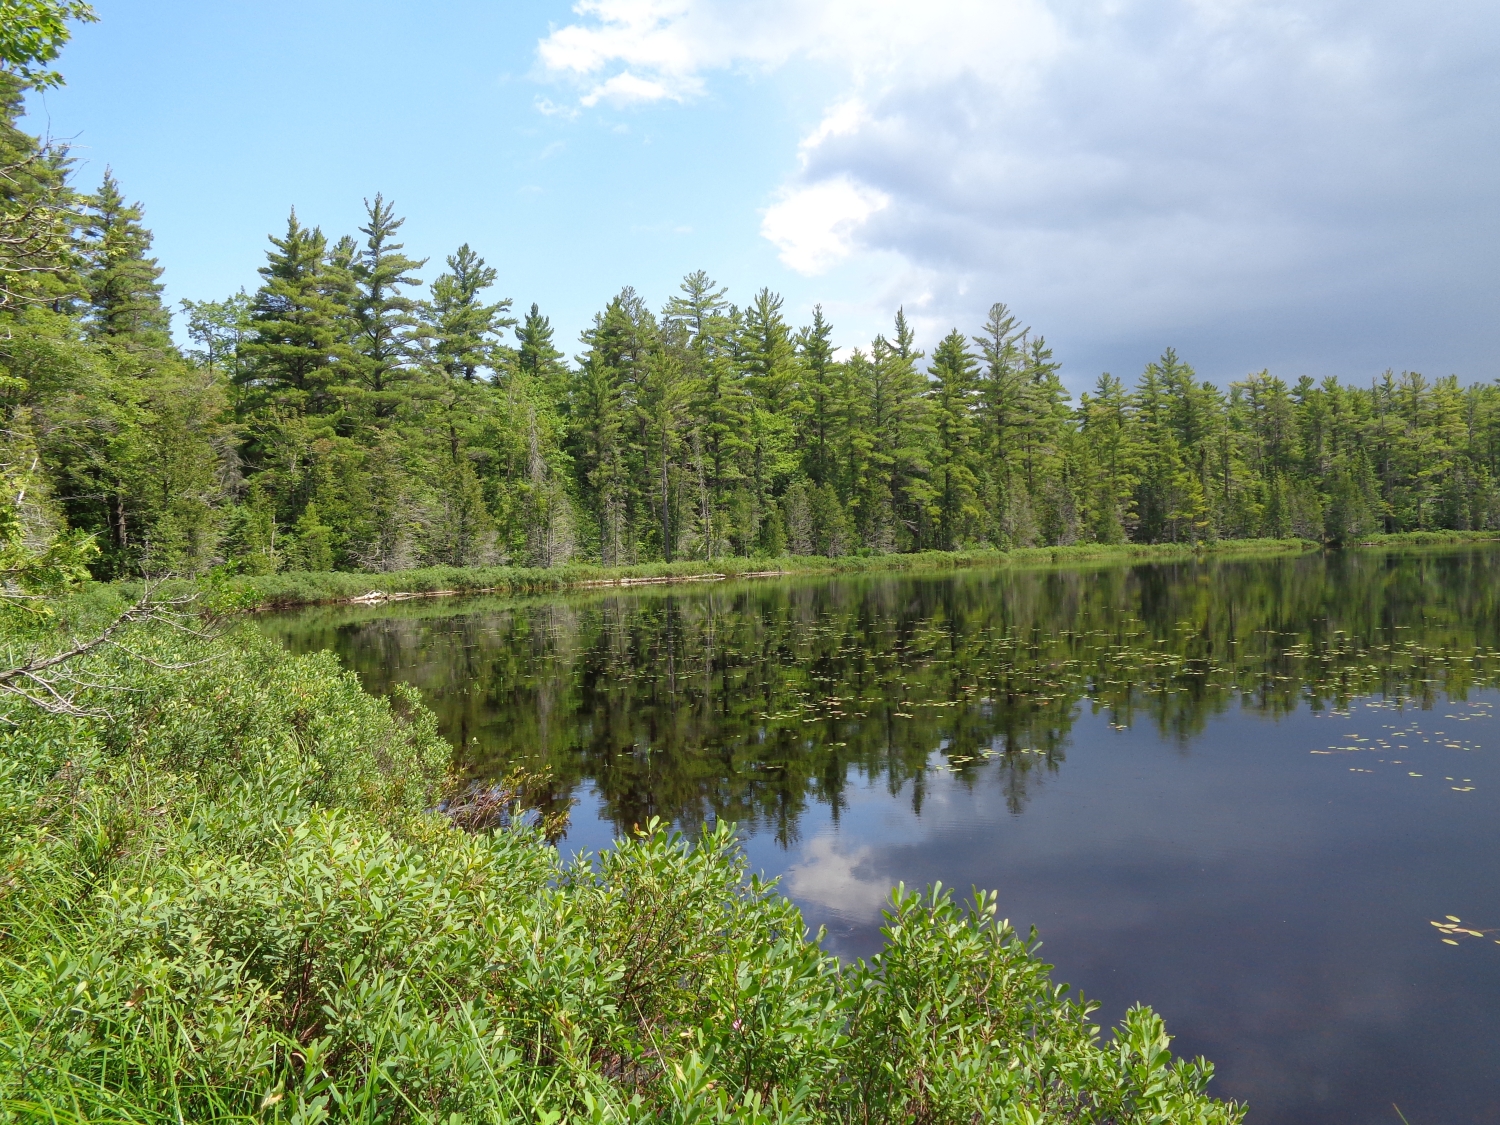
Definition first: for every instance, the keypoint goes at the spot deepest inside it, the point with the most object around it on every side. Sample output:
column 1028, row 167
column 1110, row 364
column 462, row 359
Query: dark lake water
column 1239, row 791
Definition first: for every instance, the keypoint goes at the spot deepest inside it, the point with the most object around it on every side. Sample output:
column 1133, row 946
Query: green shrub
column 223, row 898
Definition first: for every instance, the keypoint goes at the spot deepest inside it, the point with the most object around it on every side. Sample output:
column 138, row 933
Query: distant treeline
column 343, row 417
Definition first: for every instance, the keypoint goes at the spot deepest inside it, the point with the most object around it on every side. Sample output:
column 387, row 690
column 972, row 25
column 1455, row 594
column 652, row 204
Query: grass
column 1425, row 538
column 287, row 590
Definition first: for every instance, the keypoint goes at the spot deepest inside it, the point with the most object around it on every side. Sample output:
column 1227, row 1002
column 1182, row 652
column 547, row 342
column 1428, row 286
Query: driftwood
column 378, row 597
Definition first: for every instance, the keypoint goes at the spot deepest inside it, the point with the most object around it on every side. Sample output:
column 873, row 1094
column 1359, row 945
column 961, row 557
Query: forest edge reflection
column 744, row 702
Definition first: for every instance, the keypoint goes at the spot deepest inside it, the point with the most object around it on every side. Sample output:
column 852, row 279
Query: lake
column 1259, row 795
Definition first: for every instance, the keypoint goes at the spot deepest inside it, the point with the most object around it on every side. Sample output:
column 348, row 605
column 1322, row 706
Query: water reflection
column 1239, row 791
column 753, row 702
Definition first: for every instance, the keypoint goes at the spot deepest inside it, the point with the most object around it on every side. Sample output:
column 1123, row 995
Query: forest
column 347, row 415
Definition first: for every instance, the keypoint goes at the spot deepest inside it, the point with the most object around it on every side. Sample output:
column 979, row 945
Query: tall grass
column 297, row 588
column 224, row 897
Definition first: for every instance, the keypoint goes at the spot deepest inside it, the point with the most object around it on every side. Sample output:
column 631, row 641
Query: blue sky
column 1307, row 187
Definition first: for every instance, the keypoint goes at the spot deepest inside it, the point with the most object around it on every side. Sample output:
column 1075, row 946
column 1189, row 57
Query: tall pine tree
column 120, row 277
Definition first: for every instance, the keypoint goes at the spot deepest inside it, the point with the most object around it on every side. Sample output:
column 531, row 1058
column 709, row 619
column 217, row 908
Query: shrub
column 223, row 897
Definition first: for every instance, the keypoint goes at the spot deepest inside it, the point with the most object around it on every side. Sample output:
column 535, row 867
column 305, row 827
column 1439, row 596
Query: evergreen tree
column 768, row 357
column 820, row 394
column 296, row 355
column 463, row 330
column 954, row 467
column 1105, row 425
column 719, row 438
column 121, row 279
column 1002, row 417
column 900, row 439
column 385, row 319
column 537, row 356
column 36, row 209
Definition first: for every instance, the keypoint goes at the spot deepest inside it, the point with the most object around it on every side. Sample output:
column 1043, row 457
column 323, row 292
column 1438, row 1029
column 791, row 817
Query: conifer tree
column 36, row 211
column 768, row 358
column 719, row 437
column 1105, row 425
column 296, row 353
column 463, row 330
column 385, row 319
column 537, row 356
column 814, row 345
column 664, row 398
column 601, row 425
column 956, row 481
column 901, row 433
column 121, row 279
column 1002, row 413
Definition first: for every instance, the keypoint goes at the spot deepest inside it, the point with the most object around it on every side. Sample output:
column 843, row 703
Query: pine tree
column 768, row 357
column 463, row 330
column 296, row 355
column 955, row 480
column 663, row 399
column 602, row 420
column 901, row 439
column 538, row 357
column 814, row 345
column 1107, row 431
column 721, row 449
column 36, row 211
column 121, row 279
column 385, row 319
column 1046, row 445
column 1002, row 414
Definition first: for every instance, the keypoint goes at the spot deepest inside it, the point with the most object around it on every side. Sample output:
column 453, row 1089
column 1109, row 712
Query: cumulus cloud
column 814, row 225
column 839, row 879
column 1304, row 182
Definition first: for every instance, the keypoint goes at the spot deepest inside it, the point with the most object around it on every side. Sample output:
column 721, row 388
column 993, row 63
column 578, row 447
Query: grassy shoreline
column 292, row 589
column 1426, row 538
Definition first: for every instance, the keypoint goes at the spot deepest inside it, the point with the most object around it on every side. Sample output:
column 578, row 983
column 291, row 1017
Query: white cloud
column 625, row 88
column 1306, row 182
column 675, row 42
column 814, row 226
column 838, row 880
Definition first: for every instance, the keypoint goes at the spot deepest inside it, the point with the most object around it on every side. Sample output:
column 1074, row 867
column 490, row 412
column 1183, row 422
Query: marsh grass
column 298, row 588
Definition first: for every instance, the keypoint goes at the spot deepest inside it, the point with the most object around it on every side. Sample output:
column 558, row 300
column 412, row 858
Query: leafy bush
column 223, row 898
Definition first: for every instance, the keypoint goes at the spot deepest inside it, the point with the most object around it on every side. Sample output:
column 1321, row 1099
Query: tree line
column 344, row 415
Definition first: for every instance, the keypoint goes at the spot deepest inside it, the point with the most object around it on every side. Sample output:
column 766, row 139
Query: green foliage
column 122, row 283
column 464, row 328
column 33, row 33
column 36, row 564
column 223, row 900
column 37, row 208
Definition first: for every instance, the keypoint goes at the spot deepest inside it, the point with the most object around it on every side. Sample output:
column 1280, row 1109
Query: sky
column 1307, row 187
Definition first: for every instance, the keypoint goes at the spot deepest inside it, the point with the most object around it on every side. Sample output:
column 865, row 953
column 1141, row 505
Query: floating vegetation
column 1454, row 931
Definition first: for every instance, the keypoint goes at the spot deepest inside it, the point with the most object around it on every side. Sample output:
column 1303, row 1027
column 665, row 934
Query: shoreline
column 296, row 589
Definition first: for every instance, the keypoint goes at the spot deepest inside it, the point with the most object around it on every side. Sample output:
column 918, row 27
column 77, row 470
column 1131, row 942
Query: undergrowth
column 223, row 898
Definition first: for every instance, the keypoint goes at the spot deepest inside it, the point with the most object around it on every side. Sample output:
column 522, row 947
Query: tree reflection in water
column 748, row 701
